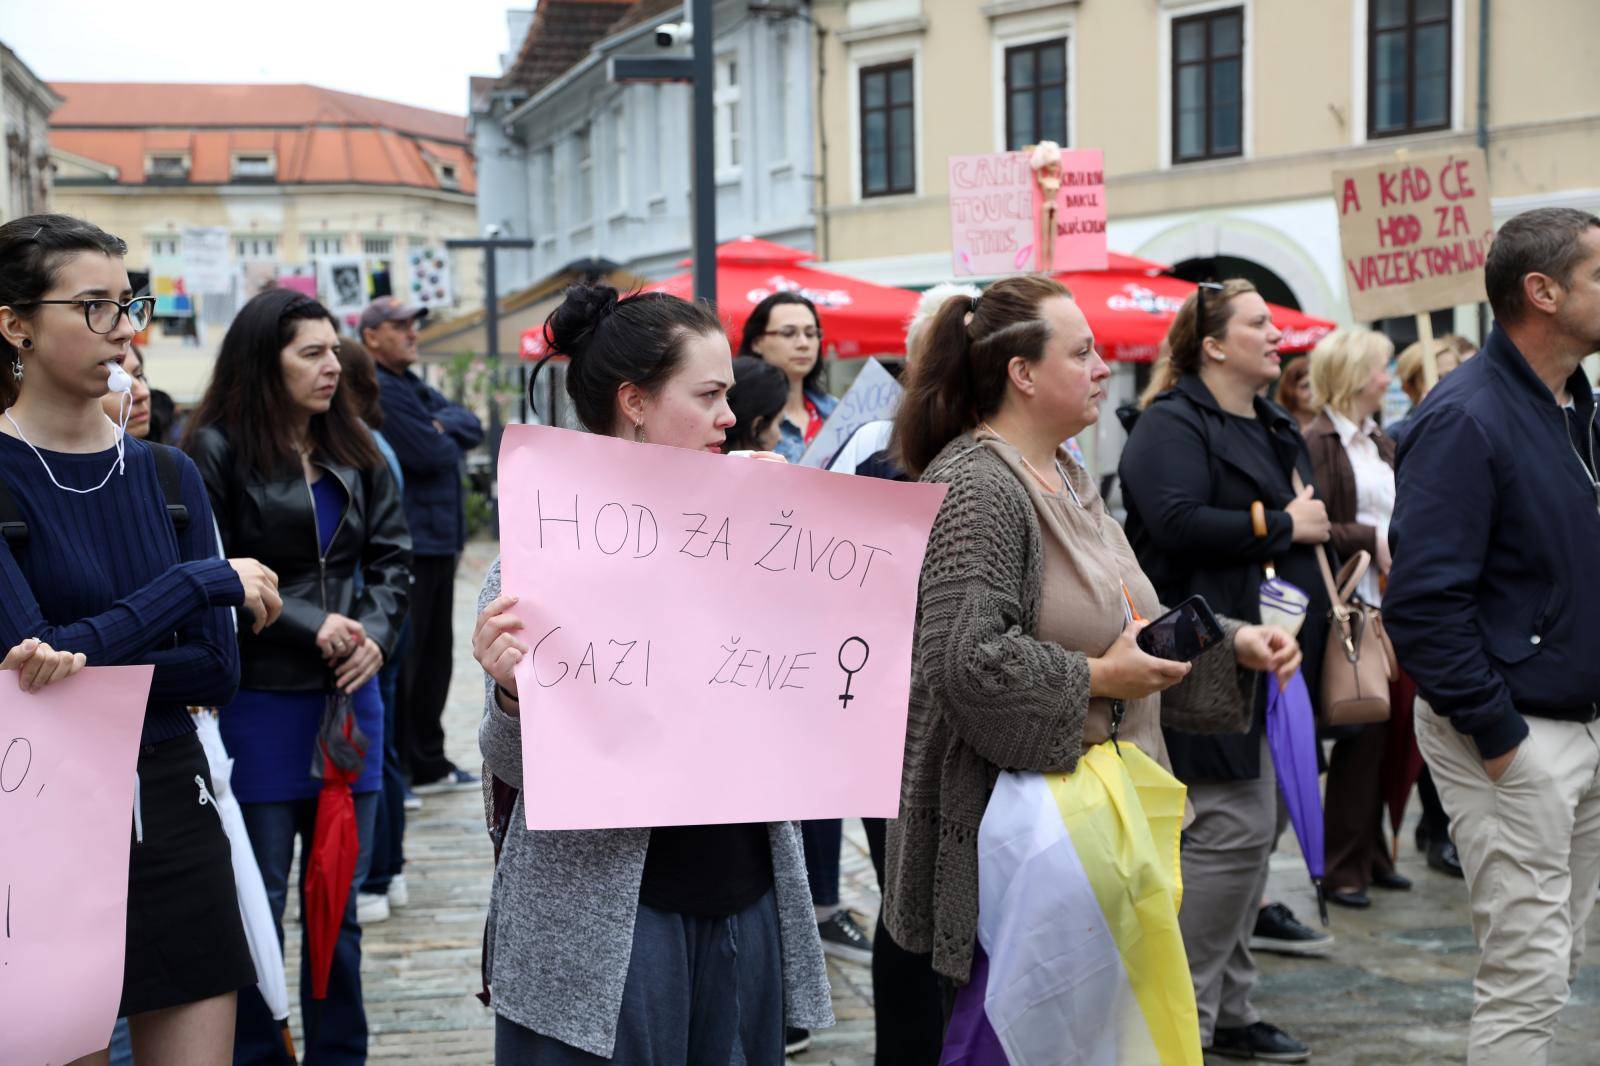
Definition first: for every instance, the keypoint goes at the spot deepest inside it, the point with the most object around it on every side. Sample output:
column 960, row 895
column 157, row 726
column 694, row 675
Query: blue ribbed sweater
column 105, row 574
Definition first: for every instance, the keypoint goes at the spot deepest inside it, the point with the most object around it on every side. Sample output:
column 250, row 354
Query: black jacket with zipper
column 1189, row 475
column 275, row 522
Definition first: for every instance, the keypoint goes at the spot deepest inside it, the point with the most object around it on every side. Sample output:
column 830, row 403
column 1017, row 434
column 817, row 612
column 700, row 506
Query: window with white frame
column 167, row 166
column 619, row 140
column 255, row 166
column 1036, row 93
column 888, row 130
column 725, row 99
column 1408, row 66
column 377, row 246
column 583, row 187
column 1208, row 85
column 322, row 244
column 780, row 96
column 165, row 246
column 255, row 246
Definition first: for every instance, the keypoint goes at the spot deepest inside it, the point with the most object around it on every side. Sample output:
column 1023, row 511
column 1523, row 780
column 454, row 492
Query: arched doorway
column 1273, row 288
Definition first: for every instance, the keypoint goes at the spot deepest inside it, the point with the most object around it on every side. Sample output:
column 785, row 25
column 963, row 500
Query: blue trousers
column 336, row 1028
column 700, row 991
column 389, row 834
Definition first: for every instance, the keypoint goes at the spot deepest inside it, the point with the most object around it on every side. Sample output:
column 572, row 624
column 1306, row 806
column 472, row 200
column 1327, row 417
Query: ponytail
column 961, row 372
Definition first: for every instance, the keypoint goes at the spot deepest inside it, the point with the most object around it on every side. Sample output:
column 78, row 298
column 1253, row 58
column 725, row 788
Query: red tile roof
column 562, row 33
column 318, row 135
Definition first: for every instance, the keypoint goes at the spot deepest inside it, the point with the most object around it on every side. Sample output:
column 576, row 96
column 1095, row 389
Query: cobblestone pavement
column 1396, row 987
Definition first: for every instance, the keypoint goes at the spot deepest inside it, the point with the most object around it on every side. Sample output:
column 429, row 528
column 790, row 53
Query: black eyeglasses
column 789, row 333
column 101, row 315
column 1200, row 303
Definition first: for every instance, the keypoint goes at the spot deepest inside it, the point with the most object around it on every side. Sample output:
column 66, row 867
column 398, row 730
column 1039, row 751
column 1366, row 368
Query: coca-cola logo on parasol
column 820, row 297
column 1138, row 298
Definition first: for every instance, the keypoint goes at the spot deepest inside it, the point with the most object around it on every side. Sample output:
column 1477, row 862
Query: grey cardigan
column 563, row 904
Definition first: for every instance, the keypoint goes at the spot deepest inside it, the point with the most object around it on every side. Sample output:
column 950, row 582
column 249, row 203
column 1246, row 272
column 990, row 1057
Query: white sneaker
column 399, row 894
column 371, row 908
column 412, row 802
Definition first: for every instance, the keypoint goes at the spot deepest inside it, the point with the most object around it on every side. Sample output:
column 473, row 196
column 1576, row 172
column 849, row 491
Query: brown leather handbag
column 1359, row 662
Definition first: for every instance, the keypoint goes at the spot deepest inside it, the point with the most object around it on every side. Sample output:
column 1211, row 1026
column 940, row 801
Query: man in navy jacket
column 429, row 435
column 1494, row 608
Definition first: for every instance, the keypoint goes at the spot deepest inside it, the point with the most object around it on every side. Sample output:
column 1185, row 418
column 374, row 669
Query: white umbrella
column 259, row 929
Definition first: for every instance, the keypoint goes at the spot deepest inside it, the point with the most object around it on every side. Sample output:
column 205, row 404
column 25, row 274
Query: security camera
column 674, row 33
column 492, row 230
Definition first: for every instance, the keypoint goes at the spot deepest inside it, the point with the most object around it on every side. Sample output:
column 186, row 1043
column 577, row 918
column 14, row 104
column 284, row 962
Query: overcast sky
column 418, row 52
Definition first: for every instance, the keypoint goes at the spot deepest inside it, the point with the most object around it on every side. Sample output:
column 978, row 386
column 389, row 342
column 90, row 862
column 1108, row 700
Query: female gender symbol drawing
column 851, row 671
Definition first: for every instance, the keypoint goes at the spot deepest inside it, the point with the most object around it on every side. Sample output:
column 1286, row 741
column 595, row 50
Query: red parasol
column 335, row 842
column 859, row 318
column 1130, row 315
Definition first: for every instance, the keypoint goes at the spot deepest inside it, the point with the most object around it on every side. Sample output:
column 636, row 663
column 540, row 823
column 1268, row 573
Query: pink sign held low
column 67, row 756
column 715, row 639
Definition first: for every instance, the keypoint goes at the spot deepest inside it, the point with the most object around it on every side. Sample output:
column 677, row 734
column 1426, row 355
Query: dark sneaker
column 843, row 939
column 450, row 782
column 796, row 1041
column 1262, row 1042
column 1280, row 932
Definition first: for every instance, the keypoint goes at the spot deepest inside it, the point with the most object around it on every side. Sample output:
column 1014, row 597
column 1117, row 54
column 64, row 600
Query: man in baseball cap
column 430, row 436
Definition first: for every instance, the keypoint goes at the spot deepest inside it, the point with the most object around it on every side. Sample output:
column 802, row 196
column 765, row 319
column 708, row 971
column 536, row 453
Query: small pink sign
column 715, row 638
column 997, row 214
column 67, row 756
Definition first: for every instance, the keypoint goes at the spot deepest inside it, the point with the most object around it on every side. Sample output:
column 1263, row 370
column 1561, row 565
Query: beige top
column 1087, row 562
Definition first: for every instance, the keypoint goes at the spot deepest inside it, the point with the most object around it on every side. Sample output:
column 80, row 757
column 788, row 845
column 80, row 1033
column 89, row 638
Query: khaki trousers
column 1530, row 844
column 1225, row 854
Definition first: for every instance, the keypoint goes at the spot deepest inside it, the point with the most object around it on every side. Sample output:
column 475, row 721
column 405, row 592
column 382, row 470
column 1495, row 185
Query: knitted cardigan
column 986, row 696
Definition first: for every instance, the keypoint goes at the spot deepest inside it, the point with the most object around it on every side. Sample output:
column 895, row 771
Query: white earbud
column 120, row 380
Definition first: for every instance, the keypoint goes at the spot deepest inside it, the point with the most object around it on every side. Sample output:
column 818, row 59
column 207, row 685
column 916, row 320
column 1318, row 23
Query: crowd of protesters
column 291, row 562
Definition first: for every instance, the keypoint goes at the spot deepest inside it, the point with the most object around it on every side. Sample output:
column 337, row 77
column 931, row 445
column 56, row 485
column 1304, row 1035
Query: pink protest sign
column 715, row 639
column 67, row 755
column 1007, row 216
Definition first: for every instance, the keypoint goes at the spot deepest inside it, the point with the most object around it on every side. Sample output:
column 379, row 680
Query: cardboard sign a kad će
column 1414, row 233
column 702, row 629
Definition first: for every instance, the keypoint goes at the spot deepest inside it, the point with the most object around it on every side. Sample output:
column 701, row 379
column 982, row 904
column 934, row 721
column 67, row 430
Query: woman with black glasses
column 108, row 571
column 785, row 330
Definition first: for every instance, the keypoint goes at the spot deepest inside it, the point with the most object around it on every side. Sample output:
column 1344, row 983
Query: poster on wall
column 344, row 286
column 301, row 277
column 167, row 286
column 1414, row 233
column 427, row 277
column 207, row 262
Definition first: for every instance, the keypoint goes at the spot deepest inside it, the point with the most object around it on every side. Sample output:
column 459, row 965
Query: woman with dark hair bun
column 294, row 475
column 758, row 395
column 785, row 330
column 109, row 576
column 692, row 944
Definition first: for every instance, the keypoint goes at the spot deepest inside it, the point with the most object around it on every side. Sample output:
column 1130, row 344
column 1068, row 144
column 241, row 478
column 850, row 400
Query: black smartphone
column 1183, row 633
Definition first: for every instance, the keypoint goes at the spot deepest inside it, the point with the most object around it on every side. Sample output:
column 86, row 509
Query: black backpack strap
column 13, row 527
column 170, row 474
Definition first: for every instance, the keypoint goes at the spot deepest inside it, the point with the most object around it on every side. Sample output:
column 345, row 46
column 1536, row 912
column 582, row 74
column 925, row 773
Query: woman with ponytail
column 1029, row 601
column 676, row 945
column 1203, row 452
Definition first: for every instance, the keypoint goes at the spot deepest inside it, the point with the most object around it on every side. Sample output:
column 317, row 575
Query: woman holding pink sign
column 685, row 944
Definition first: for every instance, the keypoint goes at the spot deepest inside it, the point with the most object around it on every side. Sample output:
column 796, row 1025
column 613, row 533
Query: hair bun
column 570, row 329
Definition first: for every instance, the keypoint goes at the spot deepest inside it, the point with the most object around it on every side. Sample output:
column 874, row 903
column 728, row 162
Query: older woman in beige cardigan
column 1024, row 650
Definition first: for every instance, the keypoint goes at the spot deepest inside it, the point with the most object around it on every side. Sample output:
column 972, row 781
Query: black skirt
column 186, row 941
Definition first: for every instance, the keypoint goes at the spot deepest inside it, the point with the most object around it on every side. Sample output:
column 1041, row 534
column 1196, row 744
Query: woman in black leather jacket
column 295, row 478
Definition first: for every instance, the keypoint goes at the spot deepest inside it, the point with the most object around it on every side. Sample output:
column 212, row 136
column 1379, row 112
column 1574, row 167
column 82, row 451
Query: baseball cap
column 389, row 309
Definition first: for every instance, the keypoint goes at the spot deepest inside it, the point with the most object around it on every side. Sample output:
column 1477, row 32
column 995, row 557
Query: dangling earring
column 16, row 368
column 638, row 432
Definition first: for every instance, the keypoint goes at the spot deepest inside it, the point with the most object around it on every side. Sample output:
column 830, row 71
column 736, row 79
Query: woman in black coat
column 1199, row 456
